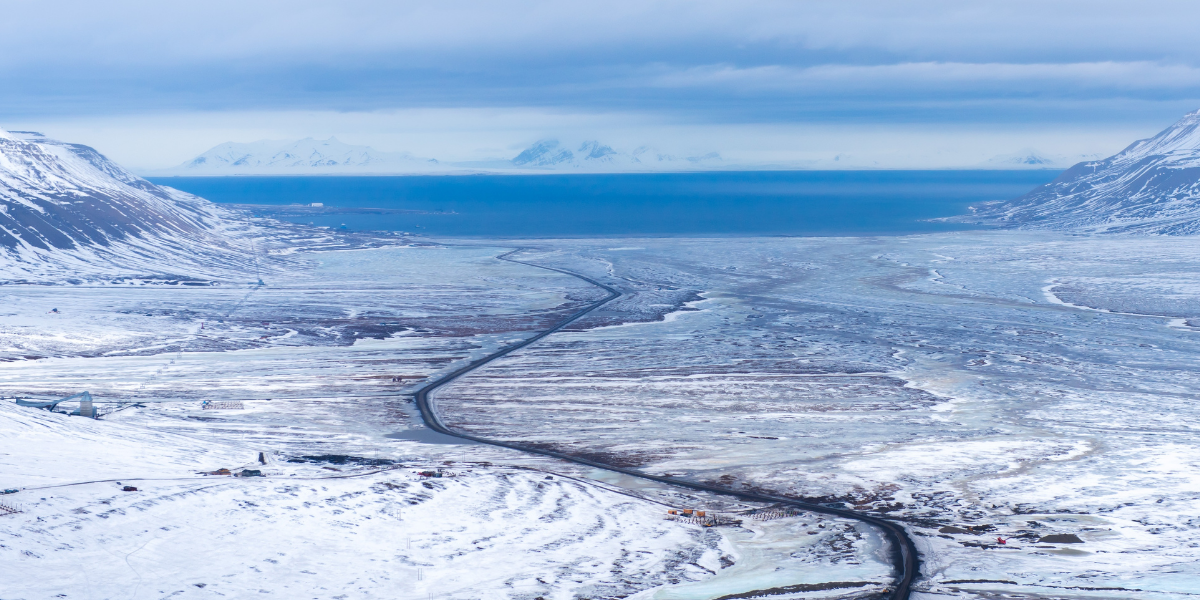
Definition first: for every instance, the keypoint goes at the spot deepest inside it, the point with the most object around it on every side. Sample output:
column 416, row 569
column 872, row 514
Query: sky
column 918, row 84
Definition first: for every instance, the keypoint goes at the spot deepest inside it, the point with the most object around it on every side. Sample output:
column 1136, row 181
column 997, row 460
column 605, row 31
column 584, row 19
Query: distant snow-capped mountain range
column 310, row 156
column 333, row 157
column 1152, row 186
column 592, row 154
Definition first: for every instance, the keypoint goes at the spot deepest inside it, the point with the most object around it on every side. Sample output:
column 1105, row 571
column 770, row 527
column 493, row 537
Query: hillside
column 67, row 212
column 1152, row 186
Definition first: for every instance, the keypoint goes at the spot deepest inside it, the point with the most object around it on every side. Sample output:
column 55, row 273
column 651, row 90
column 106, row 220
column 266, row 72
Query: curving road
column 904, row 552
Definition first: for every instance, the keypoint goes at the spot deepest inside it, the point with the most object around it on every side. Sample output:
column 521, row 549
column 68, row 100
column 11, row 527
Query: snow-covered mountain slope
column 1153, row 186
column 592, row 155
column 66, row 211
column 307, row 156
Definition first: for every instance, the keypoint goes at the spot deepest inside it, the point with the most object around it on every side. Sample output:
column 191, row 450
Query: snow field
column 308, row 530
column 481, row 534
column 929, row 378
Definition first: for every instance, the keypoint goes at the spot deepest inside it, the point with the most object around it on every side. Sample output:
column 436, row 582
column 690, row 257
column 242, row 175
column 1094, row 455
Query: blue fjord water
column 823, row 203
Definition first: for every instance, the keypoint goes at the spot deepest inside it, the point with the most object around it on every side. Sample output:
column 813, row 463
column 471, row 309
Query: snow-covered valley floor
column 978, row 387
column 342, row 511
column 971, row 386
column 312, row 530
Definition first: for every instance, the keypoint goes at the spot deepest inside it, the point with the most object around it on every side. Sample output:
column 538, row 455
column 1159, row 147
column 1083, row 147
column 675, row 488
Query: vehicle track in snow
column 903, row 551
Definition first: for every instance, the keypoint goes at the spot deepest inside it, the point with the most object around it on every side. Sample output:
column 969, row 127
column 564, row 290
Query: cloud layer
column 1103, row 64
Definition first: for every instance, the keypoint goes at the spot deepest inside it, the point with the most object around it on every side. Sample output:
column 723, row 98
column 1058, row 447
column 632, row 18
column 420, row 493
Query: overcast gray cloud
column 443, row 33
column 1115, row 64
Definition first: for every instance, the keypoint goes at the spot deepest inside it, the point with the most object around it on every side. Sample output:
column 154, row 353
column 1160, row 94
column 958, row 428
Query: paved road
column 904, row 553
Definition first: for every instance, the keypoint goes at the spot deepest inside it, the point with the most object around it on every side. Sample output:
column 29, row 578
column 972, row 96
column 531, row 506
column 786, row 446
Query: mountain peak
column 1152, row 186
column 593, row 150
column 592, row 155
column 543, row 153
column 1026, row 158
column 63, row 203
column 306, row 156
column 1181, row 137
